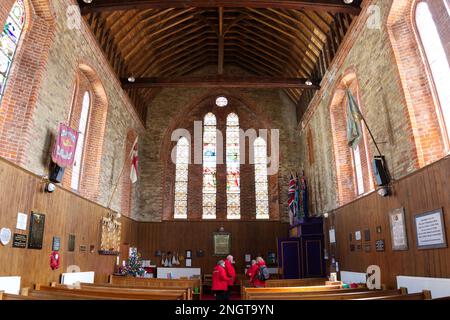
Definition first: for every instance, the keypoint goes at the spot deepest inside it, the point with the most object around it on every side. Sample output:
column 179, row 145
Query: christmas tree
column 133, row 266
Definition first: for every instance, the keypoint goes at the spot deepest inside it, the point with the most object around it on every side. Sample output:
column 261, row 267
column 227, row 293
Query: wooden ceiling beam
column 315, row 5
column 219, row 82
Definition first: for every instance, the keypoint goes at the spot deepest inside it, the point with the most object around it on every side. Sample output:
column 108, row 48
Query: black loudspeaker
column 380, row 171
column 56, row 173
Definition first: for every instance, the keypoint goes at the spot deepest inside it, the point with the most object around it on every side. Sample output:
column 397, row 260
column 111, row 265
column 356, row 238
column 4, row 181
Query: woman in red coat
column 231, row 272
column 252, row 270
column 255, row 270
column 220, row 281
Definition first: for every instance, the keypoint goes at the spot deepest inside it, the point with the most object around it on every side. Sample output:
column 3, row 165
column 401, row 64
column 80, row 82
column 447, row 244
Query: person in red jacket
column 252, row 270
column 220, row 281
column 258, row 283
column 231, row 272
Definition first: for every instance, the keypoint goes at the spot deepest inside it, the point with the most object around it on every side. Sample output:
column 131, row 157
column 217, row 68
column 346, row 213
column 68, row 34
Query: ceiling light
column 308, row 83
column 348, row 1
column 221, row 102
column 87, row 1
column 131, row 79
column 383, row 192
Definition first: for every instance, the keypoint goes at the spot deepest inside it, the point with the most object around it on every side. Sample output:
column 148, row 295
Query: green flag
column 354, row 117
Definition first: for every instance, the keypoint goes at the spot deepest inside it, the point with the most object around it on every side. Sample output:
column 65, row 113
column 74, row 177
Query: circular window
column 221, row 102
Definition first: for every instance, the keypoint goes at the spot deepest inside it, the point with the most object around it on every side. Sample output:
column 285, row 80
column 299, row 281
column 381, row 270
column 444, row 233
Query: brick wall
column 178, row 108
column 41, row 92
column 395, row 94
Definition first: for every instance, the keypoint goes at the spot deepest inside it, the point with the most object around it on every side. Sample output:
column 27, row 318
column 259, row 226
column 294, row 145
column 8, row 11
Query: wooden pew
column 344, row 294
column 272, row 283
column 45, row 295
column 322, row 288
column 106, row 287
column 156, row 283
column 424, row 295
column 117, row 293
column 8, row 296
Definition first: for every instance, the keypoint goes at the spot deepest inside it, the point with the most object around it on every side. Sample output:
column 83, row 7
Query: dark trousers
column 221, row 295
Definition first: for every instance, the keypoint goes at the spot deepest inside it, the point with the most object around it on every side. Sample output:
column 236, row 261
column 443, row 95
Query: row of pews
column 320, row 289
column 118, row 288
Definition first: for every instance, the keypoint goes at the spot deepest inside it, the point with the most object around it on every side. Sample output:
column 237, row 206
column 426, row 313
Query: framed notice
column 222, row 243
column 430, row 230
column 398, row 229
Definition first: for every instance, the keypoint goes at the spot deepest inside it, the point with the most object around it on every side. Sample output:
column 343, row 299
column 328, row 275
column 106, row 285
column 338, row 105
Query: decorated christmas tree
column 133, row 266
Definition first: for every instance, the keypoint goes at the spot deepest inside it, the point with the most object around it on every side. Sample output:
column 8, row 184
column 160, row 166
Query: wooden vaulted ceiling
column 170, row 39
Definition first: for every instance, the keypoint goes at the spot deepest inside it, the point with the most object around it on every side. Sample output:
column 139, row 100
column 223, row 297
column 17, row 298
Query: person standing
column 261, row 274
column 220, row 281
column 252, row 270
column 231, row 272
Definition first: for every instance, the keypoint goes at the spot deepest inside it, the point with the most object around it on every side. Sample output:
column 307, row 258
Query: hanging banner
column 66, row 143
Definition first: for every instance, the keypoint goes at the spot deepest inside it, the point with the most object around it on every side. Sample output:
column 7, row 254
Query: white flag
column 134, row 162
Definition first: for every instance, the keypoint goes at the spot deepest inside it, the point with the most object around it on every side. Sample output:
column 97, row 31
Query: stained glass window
column 76, row 169
column 261, row 181
column 209, row 166
column 181, row 179
column 233, row 168
column 9, row 40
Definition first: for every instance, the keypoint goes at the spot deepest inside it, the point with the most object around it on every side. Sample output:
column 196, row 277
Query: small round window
column 221, row 102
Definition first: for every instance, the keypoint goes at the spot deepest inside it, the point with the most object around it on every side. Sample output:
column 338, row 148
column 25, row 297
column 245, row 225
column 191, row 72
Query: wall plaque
column 398, row 229
column 19, row 240
column 367, row 235
column 379, row 245
column 367, row 247
column 36, row 237
column 5, row 236
column 222, row 243
column 430, row 230
column 71, row 242
column 83, row 248
column 56, row 244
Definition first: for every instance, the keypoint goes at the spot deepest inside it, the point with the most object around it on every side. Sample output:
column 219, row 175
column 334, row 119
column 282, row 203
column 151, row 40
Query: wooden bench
column 8, row 296
column 116, row 293
column 342, row 294
column 105, row 287
column 277, row 283
column 424, row 295
column 247, row 291
column 156, row 283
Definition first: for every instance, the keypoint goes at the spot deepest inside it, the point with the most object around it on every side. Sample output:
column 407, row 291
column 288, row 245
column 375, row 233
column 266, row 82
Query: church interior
column 224, row 150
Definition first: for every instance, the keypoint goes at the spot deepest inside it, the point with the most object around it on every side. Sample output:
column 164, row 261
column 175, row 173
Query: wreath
column 55, row 260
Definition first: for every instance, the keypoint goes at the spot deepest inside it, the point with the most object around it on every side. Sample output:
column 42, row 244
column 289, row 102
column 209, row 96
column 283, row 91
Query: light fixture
column 383, row 191
column 50, row 187
column 348, row 1
column 131, row 79
column 325, row 215
column 221, row 102
column 309, row 83
column 87, row 1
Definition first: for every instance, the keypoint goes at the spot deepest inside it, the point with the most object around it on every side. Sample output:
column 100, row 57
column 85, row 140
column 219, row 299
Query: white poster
column 358, row 235
column 430, row 230
column 22, row 221
column 332, row 236
column 398, row 229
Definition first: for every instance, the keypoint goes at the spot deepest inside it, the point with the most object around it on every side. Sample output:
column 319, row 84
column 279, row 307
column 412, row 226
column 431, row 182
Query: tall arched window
column 233, row 168
column 261, row 181
column 9, row 41
column 209, row 166
column 76, row 169
column 181, row 179
column 436, row 58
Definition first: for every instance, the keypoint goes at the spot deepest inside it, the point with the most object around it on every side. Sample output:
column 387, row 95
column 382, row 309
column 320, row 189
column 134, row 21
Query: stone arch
column 87, row 80
column 425, row 127
column 346, row 180
column 248, row 112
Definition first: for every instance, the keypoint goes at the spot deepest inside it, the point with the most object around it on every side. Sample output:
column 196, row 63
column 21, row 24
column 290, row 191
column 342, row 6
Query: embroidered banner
column 66, row 143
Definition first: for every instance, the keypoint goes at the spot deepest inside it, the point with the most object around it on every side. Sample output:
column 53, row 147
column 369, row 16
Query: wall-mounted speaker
column 380, row 171
column 56, row 173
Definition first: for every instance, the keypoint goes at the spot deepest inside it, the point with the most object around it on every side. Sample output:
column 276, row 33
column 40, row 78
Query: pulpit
column 302, row 254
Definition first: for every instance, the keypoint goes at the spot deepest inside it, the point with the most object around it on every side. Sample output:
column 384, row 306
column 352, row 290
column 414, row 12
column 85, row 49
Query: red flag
column 134, row 162
column 66, row 143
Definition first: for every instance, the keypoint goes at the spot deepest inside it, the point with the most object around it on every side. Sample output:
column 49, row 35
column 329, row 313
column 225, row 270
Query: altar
column 178, row 273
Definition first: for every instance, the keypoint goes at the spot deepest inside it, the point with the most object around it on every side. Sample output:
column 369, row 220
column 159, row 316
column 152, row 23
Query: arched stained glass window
column 261, row 181
column 436, row 58
column 76, row 169
column 233, row 168
column 9, row 41
column 209, row 166
column 181, row 179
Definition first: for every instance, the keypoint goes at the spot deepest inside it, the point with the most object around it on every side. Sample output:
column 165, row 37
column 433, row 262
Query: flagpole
column 120, row 175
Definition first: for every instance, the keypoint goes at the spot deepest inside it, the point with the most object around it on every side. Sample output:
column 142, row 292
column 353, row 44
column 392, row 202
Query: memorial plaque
column 398, row 229
column 367, row 235
column 367, row 248
column 83, row 248
column 37, row 223
column 430, row 230
column 379, row 245
column 352, row 247
column 71, row 242
column 222, row 243
column 19, row 240
column 56, row 244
